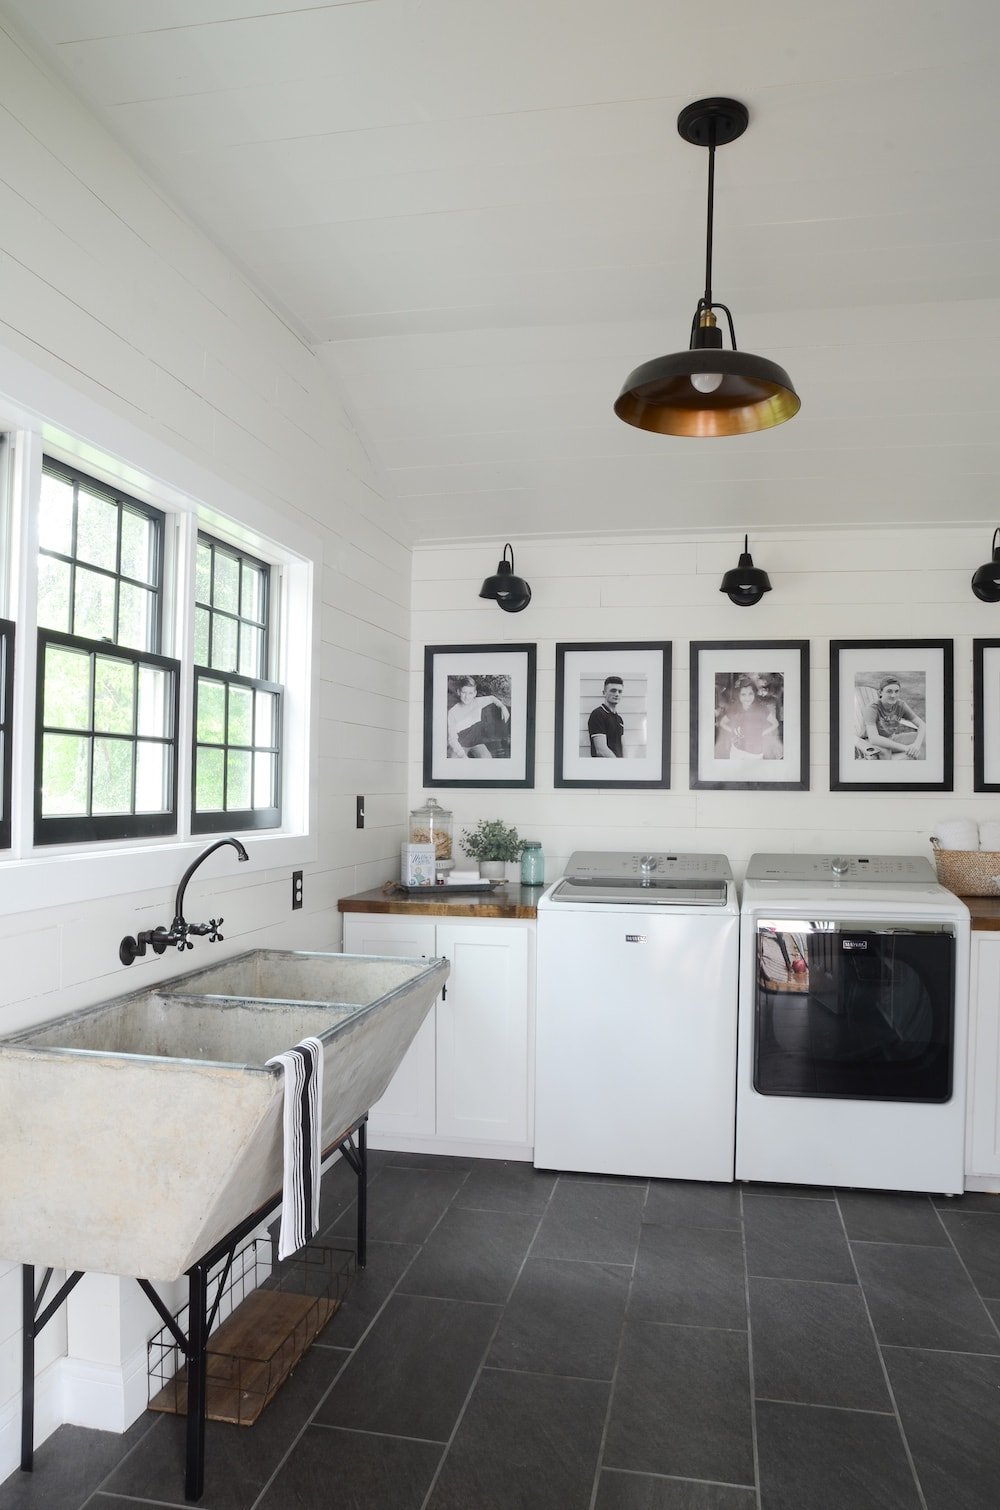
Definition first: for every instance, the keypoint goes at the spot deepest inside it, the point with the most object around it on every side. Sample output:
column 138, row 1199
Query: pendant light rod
column 710, row 217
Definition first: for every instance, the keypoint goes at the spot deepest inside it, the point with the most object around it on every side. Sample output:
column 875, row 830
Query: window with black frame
column 238, row 711
column 6, row 722
column 106, row 720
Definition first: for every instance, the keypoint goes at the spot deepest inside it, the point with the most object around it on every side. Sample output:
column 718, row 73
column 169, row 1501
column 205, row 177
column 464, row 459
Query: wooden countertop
column 985, row 913
column 509, row 900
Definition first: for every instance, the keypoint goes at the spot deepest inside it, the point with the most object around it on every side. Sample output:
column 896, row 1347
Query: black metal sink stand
column 352, row 1145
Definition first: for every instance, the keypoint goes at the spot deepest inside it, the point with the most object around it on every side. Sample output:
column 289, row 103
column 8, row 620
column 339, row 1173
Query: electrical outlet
column 296, row 890
column 361, row 812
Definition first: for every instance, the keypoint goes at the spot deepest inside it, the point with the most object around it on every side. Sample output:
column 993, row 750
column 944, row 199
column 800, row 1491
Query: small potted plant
column 493, row 843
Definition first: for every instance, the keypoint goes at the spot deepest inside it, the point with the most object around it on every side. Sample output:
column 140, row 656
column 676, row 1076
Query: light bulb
column 706, row 382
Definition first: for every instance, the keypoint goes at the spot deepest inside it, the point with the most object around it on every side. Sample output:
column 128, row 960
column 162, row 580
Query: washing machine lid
column 843, row 870
column 598, row 878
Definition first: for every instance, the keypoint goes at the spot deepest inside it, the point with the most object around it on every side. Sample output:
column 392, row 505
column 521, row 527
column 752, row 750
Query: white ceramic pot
column 492, row 870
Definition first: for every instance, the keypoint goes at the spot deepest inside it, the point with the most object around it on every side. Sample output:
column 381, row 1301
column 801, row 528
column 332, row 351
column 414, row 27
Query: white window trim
column 33, row 877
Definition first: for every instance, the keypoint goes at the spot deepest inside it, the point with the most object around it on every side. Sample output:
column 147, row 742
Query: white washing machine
column 854, row 985
column 635, row 1062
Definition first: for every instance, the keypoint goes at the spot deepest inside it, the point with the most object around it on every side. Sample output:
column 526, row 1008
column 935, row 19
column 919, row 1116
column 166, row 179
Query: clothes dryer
column 854, row 982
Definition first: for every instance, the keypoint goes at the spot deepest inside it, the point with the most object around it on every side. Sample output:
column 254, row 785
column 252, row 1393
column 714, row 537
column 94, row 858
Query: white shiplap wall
column 152, row 345
column 850, row 584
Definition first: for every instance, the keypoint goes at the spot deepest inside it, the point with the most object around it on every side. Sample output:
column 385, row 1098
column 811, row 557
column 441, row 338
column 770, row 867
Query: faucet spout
column 198, row 860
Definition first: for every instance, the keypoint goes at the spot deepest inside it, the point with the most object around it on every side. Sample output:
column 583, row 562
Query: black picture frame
column 986, row 715
column 868, row 747
column 749, row 726
column 583, row 674
column 499, row 745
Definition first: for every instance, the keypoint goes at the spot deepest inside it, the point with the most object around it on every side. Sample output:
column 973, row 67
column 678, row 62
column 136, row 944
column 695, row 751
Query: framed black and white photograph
column 613, row 714
column 479, row 715
column 891, row 715
column 986, row 715
column 750, row 714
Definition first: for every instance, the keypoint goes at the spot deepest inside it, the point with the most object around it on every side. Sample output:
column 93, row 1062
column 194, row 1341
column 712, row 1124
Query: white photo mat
column 924, row 671
column 779, row 673
column 581, row 671
column 514, row 662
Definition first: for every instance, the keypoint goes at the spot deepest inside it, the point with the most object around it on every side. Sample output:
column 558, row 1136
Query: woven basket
column 968, row 872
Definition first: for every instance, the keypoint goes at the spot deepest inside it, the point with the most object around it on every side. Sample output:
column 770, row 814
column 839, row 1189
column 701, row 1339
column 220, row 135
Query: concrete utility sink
column 136, row 1133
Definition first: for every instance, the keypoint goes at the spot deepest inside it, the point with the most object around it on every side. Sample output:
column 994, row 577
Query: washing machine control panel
column 870, row 869
column 627, row 867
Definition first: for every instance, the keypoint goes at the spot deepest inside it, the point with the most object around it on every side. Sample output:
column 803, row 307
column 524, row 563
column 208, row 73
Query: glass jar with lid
column 532, row 863
column 432, row 824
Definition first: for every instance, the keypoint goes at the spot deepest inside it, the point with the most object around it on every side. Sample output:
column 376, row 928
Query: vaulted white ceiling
column 481, row 215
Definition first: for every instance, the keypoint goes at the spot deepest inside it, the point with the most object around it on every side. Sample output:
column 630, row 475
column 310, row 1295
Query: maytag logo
column 854, row 943
column 635, row 938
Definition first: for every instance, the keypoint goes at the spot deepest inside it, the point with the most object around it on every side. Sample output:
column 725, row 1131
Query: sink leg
column 362, row 1195
column 27, row 1367
column 197, row 1364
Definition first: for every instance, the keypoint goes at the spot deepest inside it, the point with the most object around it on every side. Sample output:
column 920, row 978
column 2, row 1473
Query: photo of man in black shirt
column 605, row 724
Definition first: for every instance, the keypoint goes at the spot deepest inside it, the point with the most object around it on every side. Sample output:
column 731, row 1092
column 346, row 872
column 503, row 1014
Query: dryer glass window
column 862, row 1013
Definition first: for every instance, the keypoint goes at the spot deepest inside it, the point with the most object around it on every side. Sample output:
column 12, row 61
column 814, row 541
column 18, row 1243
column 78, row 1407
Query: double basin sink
column 136, row 1133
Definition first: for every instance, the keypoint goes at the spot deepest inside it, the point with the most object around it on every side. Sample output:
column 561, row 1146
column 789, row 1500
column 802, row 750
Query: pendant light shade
column 986, row 578
column 708, row 390
column 510, row 592
column 745, row 584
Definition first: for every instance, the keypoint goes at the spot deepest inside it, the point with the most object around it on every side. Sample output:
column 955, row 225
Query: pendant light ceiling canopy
column 707, row 390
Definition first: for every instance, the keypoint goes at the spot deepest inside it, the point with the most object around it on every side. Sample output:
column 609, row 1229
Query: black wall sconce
column 986, row 578
column 511, row 593
column 745, row 584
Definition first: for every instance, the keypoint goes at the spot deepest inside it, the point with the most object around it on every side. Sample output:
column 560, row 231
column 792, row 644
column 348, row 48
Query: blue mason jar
column 532, row 864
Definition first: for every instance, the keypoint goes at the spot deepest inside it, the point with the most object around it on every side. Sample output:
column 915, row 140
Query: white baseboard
column 520, row 1153
column 102, row 1396
column 989, row 1184
column 48, row 1415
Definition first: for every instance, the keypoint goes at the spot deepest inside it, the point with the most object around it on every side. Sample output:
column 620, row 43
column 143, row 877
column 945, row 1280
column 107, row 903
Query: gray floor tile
column 369, row 1289
column 68, row 1466
column 875, row 1216
column 641, row 1491
column 972, row 1200
column 524, row 1443
column 813, row 1344
column 564, row 1317
column 412, row 1372
column 695, row 1203
column 950, row 1408
column 593, row 1221
column 404, row 1205
column 796, row 1239
column 398, row 1159
column 472, row 1255
column 922, row 1297
column 977, row 1238
column 832, row 1460
column 238, row 1460
column 369, row 1472
column 506, row 1185
column 681, row 1404
column 691, row 1276
column 754, row 1188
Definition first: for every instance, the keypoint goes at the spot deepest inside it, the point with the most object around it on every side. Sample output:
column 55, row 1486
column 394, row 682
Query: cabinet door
column 407, row 1108
column 482, row 1033
column 982, row 1154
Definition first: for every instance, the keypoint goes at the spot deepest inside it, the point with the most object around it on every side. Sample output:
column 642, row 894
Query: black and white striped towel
column 302, row 1122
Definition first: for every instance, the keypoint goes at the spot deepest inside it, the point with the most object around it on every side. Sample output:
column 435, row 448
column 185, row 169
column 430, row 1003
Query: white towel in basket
column 302, row 1123
column 957, row 833
column 989, row 836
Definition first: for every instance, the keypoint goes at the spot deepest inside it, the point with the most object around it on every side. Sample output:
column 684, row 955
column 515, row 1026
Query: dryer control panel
column 872, row 870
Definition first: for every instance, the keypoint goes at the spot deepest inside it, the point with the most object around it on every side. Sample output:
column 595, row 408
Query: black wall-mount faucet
column 178, row 934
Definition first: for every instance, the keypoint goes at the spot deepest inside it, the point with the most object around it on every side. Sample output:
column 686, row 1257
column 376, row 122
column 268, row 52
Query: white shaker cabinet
column 982, row 1144
column 465, row 1086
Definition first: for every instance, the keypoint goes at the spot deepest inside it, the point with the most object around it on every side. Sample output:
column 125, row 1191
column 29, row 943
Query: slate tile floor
column 521, row 1340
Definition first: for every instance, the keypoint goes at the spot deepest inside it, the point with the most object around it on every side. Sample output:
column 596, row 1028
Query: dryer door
column 863, row 1012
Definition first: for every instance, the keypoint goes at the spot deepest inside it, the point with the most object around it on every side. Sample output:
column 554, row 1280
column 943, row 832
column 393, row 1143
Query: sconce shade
column 986, row 578
column 745, row 584
column 708, row 391
column 511, row 593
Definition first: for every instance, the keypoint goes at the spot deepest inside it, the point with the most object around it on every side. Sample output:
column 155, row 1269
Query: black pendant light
column 986, row 578
column 511, row 593
column 745, row 584
column 706, row 390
